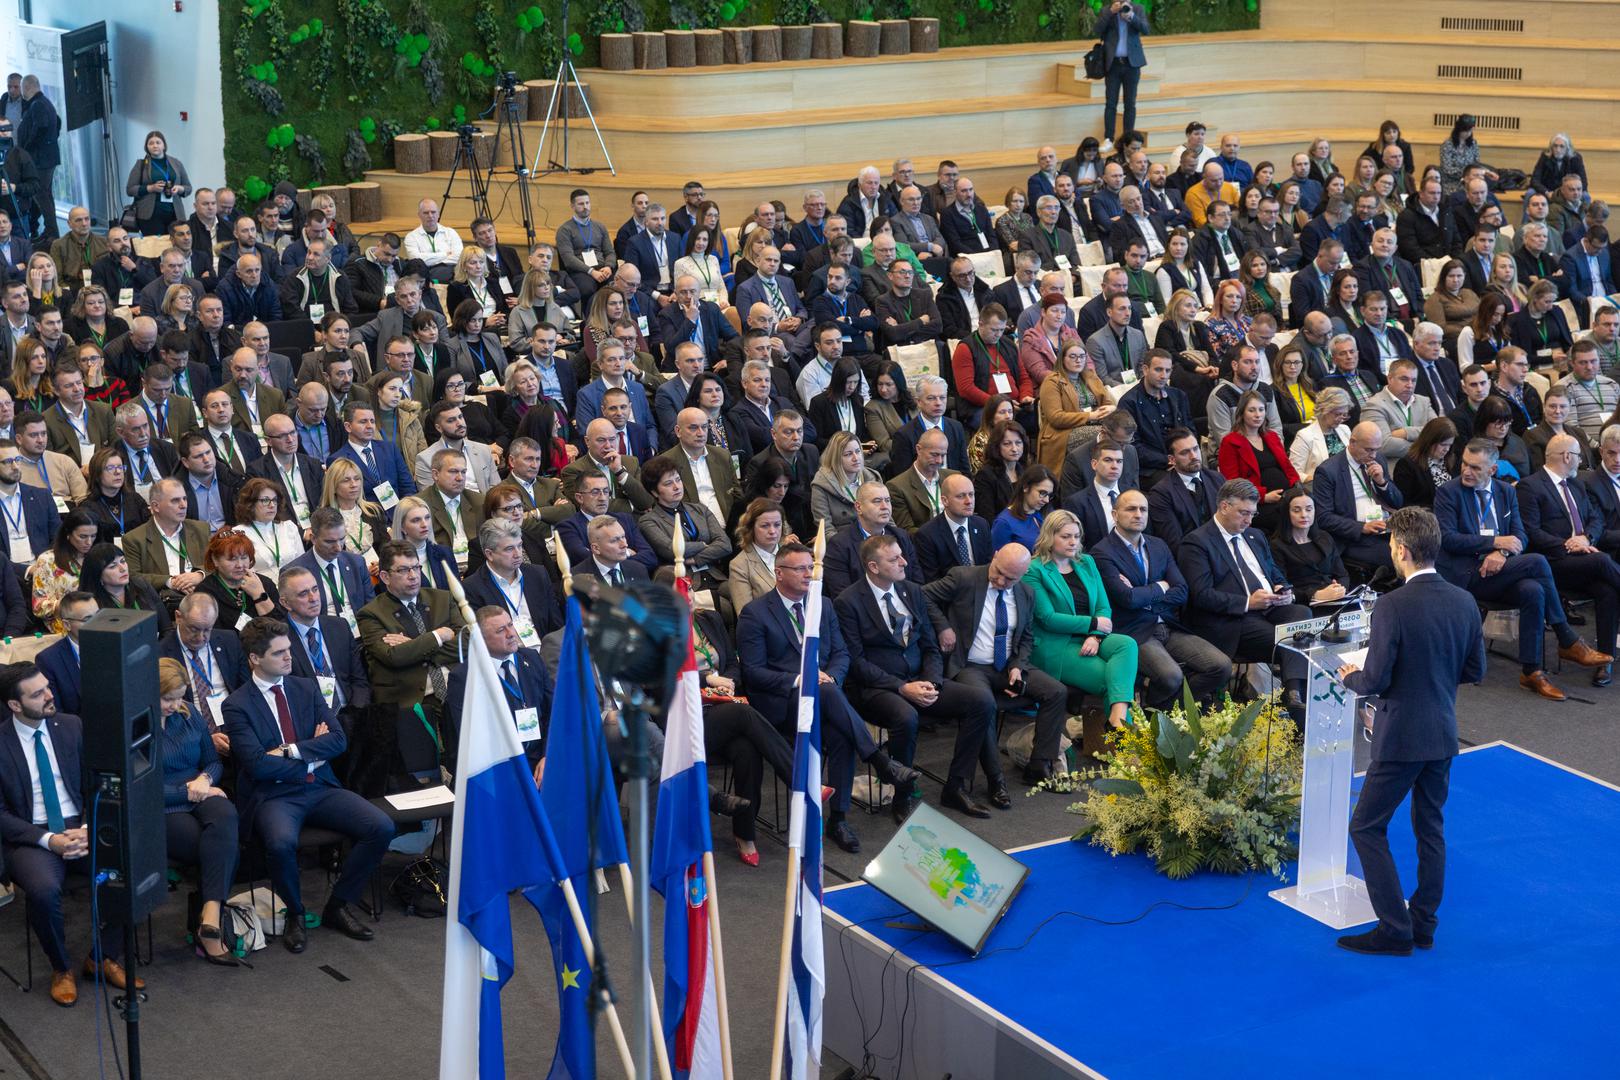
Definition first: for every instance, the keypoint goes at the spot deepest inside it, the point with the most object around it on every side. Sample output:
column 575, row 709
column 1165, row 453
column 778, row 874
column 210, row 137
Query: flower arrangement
column 1215, row 790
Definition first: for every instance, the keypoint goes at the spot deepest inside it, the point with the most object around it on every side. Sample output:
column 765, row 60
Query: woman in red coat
column 1254, row 453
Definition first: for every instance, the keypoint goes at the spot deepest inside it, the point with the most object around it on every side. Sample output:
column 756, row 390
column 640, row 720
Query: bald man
column 707, row 477
column 1355, row 498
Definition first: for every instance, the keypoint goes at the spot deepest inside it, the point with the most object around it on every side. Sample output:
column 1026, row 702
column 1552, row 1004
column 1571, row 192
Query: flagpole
column 784, row 961
column 660, row 1051
column 717, row 957
column 716, row 954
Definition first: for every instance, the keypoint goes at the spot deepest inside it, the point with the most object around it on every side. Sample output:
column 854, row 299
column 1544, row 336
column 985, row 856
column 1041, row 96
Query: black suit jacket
column 953, row 313
column 903, row 449
column 842, row 564
column 228, row 657
column 958, row 600
column 1417, row 238
column 936, row 545
column 1172, row 510
column 254, row 732
column 541, row 598
column 1606, row 497
column 1450, row 379
column 1217, row 597
column 344, row 661
column 877, row 661
column 17, row 826
column 960, row 238
column 1008, row 295
column 1140, row 606
column 1546, row 520
column 534, row 684
column 771, row 652
column 1086, row 505
column 310, row 473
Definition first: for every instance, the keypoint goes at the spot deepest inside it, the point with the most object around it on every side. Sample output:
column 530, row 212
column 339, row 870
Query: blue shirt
column 210, row 508
column 314, row 440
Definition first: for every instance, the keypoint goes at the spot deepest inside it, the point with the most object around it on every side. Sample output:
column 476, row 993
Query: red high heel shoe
column 748, row 858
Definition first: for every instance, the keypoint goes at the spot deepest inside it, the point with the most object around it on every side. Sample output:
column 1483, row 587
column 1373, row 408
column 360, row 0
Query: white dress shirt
column 64, row 795
column 983, row 650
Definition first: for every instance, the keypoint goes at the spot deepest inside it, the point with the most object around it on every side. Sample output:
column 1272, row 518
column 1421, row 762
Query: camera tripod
column 477, row 179
column 558, row 109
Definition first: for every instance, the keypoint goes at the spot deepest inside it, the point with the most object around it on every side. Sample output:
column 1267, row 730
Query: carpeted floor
column 373, row 1009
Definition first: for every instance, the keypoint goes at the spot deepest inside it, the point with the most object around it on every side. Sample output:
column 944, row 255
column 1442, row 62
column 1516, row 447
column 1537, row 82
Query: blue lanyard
column 500, row 587
column 44, row 476
column 162, row 169
column 15, row 523
column 482, row 363
column 515, row 691
column 82, row 432
column 206, row 673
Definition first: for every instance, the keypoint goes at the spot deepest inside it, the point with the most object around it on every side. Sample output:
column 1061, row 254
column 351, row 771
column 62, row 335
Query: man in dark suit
column 380, row 461
column 29, row 511
column 1308, row 291
column 689, row 318
column 609, row 554
column 324, row 649
column 60, row 662
column 770, row 645
column 297, row 476
column 1348, row 374
column 965, row 222
column 409, row 632
column 1094, row 504
column 1236, row 594
column 952, row 299
column 44, row 798
column 1426, row 640
column 14, row 606
column 1424, row 230
column 930, row 393
column 1331, row 223
column 283, row 738
column 1380, row 341
column 1021, row 290
column 1381, row 269
column 984, row 616
column 1579, row 263
column 1563, row 524
column 1120, row 426
column 1437, row 378
column 1186, row 496
column 1146, row 590
column 505, row 581
column 215, row 666
column 1217, row 246
column 1354, row 498
column 1603, row 488
column 1160, row 410
column 590, row 501
column 956, row 536
column 866, row 203
column 525, row 683
column 654, row 250
column 794, row 449
column 842, row 565
column 210, row 490
column 1477, row 258
column 341, row 575
column 897, row 672
column 1484, row 549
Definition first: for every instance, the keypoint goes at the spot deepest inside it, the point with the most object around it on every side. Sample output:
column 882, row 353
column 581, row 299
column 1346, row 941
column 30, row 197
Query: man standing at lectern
column 1426, row 640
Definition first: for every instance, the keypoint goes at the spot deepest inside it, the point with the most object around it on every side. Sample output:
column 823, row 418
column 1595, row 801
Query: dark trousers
column 204, row 835
column 277, row 822
column 844, row 739
column 1165, row 657
column 973, row 708
column 737, row 734
column 1256, row 645
column 1386, row 785
column 44, row 212
column 585, row 285
column 40, row 874
column 1526, row 582
column 1121, row 75
column 1597, row 576
column 1050, row 698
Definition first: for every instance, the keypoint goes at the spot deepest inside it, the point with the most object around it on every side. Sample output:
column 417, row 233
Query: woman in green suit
column 1074, row 642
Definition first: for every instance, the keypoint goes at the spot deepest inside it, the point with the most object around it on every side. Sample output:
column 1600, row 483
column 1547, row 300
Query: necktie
column 163, row 421
column 798, row 616
column 333, row 597
column 1198, row 488
column 1575, row 524
column 1487, row 512
column 897, row 619
column 508, row 672
column 371, row 459
column 624, row 449
column 1441, row 399
column 1141, row 562
column 778, row 302
column 1113, row 498
column 227, row 447
column 435, row 673
column 1226, row 244
column 616, row 576
column 283, row 714
column 54, row 821
column 200, row 688
column 1250, row 582
column 317, row 655
column 1000, row 654
column 963, row 552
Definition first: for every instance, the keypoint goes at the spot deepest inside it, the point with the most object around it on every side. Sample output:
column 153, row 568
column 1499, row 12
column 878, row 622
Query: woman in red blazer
column 1254, row 453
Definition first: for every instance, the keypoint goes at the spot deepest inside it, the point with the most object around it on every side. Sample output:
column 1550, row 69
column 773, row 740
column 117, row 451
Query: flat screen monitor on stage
column 958, row 883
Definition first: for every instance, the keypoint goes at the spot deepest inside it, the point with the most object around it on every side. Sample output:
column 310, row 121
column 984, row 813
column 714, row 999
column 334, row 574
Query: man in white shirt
column 709, row 477
column 437, row 246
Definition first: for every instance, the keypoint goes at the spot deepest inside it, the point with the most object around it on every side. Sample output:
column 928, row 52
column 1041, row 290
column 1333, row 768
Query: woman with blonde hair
column 175, row 311
column 43, row 288
column 471, row 281
column 1505, row 282
column 91, row 318
column 363, row 524
column 832, row 490
column 1073, row 622
column 536, row 304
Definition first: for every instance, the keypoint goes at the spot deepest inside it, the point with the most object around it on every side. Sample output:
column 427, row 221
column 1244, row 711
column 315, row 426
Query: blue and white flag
column 500, row 842
column 807, row 976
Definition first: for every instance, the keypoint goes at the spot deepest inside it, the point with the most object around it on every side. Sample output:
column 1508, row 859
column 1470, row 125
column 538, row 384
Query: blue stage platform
column 1522, row 981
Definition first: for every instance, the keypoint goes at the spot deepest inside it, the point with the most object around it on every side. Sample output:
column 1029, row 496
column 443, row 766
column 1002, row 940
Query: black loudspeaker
column 123, row 752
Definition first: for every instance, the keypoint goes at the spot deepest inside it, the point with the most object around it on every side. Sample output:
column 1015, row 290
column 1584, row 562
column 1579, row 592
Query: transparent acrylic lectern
column 1323, row 890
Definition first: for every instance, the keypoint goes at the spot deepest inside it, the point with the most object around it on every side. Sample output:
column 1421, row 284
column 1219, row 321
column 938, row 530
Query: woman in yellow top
column 1073, row 624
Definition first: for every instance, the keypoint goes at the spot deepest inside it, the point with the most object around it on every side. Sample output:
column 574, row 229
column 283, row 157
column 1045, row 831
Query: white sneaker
column 1106, row 147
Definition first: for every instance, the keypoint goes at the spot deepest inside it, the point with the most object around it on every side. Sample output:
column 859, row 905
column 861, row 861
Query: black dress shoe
column 902, row 805
column 841, row 834
column 891, row 771
column 726, row 804
column 1423, row 939
column 999, row 797
column 955, row 798
column 1375, row 943
column 338, row 917
column 294, row 936
column 1037, row 771
column 1603, row 676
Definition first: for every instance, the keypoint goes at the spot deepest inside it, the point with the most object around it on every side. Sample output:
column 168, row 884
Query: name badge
column 216, row 708
column 328, row 686
column 1152, row 312
column 487, row 379
column 301, row 512
column 62, row 504
column 589, row 259
column 243, row 620
column 1230, row 259
column 126, row 297
column 711, row 295
column 1062, row 262
column 85, row 274
column 1001, row 383
column 86, row 452
column 663, row 274
column 528, row 634
column 317, row 312
column 459, row 549
column 506, row 285
column 983, row 243
column 1544, row 354
column 528, row 724
column 385, row 495
column 388, row 288
column 641, row 324
column 1486, row 530
column 354, row 625
column 1397, row 296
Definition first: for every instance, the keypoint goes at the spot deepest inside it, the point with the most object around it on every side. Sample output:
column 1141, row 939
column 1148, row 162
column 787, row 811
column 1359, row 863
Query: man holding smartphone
column 1121, row 27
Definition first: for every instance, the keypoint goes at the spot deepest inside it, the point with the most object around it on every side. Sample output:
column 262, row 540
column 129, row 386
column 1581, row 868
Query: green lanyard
column 274, row 541
column 238, row 596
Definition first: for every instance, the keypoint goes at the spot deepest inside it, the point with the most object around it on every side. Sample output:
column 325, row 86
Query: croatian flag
column 500, row 841
column 807, row 980
column 691, row 1016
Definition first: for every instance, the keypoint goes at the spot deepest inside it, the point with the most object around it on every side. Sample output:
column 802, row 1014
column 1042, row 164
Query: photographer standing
column 157, row 183
column 1121, row 28
column 39, row 131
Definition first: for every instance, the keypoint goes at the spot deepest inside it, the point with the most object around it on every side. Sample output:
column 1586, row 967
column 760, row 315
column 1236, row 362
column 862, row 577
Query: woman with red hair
column 241, row 593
